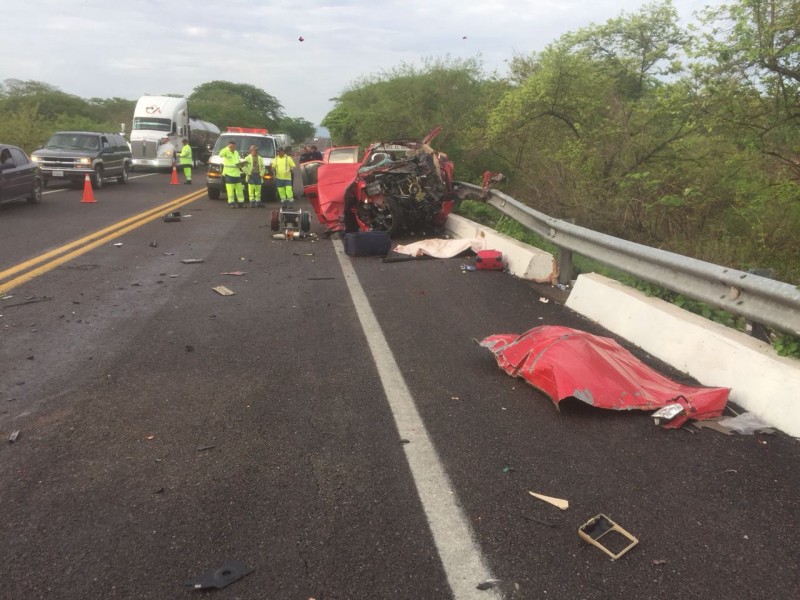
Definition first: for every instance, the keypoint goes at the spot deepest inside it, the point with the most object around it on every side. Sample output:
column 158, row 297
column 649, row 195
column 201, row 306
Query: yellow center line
column 86, row 244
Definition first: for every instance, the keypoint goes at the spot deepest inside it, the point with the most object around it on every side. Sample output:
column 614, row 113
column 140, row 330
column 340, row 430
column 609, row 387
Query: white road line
column 455, row 542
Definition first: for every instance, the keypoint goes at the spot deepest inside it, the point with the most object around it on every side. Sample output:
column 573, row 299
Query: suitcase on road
column 491, row 260
column 367, row 243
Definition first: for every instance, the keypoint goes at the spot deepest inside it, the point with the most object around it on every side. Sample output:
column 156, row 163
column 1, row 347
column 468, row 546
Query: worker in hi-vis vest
column 282, row 166
column 253, row 173
column 185, row 160
column 232, row 174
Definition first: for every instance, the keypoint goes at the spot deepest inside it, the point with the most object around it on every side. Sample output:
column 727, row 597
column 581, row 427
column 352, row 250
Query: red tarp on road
column 569, row 363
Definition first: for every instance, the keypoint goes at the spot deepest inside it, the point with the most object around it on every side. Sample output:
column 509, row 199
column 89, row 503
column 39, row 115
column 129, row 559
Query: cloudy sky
column 110, row 48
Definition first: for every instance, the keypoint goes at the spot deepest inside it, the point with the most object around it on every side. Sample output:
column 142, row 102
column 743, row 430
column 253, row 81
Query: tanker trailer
column 202, row 137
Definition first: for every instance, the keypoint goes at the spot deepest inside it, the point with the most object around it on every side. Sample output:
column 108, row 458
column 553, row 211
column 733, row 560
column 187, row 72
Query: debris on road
column 230, row 571
column 13, row 437
column 745, row 424
column 569, row 363
column 557, row 502
column 189, row 348
column 223, row 291
column 465, row 268
column 236, row 273
column 172, row 217
column 191, row 261
column 203, row 448
column 539, row 521
column 31, row 300
column 597, row 527
column 118, row 244
column 488, row 584
column 154, row 244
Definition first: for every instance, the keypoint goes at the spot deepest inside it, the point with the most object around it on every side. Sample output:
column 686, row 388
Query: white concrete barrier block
column 461, row 227
column 761, row 381
column 521, row 260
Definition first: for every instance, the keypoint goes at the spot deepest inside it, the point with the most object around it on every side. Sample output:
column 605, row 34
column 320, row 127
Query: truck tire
column 97, row 177
column 213, row 192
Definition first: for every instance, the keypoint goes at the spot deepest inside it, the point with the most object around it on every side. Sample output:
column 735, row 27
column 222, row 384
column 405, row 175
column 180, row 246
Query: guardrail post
column 564, row 266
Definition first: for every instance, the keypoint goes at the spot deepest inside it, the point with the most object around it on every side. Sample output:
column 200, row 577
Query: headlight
column 35, row 159
column 84, row 161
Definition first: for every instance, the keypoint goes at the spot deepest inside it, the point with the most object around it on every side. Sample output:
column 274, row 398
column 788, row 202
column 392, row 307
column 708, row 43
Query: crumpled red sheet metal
column 568, row 363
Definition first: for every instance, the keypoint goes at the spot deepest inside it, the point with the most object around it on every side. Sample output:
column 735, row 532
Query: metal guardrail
column 758, row 299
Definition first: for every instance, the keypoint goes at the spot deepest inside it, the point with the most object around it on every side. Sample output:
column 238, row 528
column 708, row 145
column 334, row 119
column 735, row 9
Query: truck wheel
column 36, row 192
column 97, row 178
column 213, row 192
column 123, row 178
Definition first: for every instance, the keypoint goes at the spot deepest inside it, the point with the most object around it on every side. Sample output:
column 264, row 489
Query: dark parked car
column 71, row 155
column 19, row 177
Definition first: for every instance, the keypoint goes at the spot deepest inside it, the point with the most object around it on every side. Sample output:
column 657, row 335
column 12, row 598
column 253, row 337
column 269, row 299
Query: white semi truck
column 160, row 123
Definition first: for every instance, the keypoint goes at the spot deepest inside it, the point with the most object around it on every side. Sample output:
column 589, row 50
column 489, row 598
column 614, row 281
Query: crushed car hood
column 569, row 363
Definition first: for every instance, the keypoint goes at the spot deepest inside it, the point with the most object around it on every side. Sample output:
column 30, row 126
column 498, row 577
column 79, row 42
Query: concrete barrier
column 762, row 382
column 521, row 260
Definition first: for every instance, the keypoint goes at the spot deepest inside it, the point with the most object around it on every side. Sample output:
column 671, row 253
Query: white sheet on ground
column 440, row 248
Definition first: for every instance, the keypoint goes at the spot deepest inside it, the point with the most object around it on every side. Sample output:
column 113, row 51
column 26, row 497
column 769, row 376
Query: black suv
column 71, row 155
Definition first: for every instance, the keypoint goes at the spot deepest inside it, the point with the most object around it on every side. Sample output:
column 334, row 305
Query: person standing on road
column 185, row 160
column 282, row 166
column 253, row 171
column 232, row 174
column 305, row 155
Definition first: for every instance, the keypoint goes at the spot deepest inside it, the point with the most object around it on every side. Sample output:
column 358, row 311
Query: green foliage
column 786, row 345
column 298, row 129
column 229, row 104
column 408, row 102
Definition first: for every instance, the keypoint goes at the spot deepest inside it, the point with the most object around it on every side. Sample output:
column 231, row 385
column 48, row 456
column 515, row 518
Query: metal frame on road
column 756, row 298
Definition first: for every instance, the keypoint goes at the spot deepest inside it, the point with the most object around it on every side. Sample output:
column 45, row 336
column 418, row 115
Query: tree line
column 685, row 138
column 30, row 111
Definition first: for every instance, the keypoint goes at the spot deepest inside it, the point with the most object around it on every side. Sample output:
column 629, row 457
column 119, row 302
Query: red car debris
column 569, row 363
column 398, row 185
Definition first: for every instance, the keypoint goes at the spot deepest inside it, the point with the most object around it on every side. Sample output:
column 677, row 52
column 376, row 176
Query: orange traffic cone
column 88, row 194
column 174, row 180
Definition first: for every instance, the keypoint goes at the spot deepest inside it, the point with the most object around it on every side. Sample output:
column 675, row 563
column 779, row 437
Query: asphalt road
column 335, row 427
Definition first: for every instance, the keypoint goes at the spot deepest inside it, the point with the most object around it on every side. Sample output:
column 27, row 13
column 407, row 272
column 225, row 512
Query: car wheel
column 213, row 192
column 388, row 218
column 123, row 178
column 97, row 178
column 36, row 192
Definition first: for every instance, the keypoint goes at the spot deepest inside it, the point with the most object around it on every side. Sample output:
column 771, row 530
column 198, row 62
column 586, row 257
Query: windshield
column 265, row 145
column 152, row 124
column 74, row 141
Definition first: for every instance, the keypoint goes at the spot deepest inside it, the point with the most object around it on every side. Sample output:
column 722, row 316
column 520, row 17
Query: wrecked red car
column 398, row 185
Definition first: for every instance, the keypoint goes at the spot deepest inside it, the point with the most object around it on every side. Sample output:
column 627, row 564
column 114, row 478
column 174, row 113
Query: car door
column 110, row 157
column 23, row 172
column 9, row 184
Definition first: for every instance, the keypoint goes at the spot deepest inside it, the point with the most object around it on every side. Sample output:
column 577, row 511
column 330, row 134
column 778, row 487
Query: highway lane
column 165, row 428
